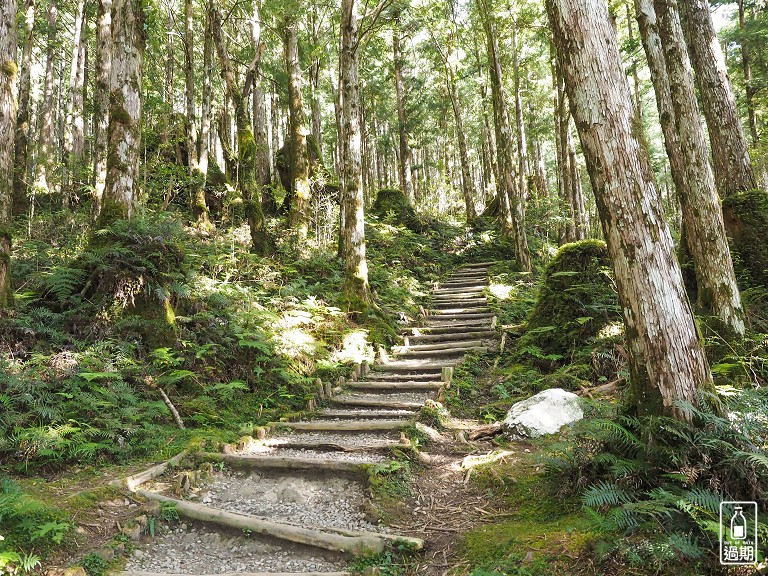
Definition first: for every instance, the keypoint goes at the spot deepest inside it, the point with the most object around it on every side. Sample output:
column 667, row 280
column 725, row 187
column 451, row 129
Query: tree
column 406, row 161
column 730, row 152
column 298, row 216
column 101, row 101
column 8, row 77
column 125, row 109
column 21, row 161
column 74, row 127
column 704, row 235
column 357, row 291
column 45, row 128
column 666, row 359
column 511, row 201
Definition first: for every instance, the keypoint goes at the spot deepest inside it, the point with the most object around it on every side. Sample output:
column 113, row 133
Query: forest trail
column 296, row 502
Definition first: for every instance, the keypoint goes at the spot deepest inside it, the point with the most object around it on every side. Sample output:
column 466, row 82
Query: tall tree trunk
column 314, row 81
column 8, row 78
column 124, row 146
column 46, row 124
column 357, row 292
column 406, row 161
column 298, row 217
column 21, row 161
column 101, row 101
column 522, row 149
column 197, row 177
column 633, row 68
column 461, row 136
column 74, row 134
column 564, row 143
column 260, row 123
column 246, row 154
column 511, row 202
column 705, row 238
column 204, row 139
column 746, row 68
column 733, row 167
column 580, row 221
column 666, row 360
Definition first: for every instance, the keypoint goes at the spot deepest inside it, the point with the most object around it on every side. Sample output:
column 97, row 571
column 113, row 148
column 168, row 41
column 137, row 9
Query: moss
column 9, row 68
column 391, row 204
column 746, row 220
column 576, row 299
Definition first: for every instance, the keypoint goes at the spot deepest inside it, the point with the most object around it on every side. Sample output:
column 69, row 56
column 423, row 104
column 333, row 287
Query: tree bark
column 8, row 111
column 522, row 149
column 357, row 291
column 21, row 162
column 666, row 360
column 511, row 202
column 298, row 217
column 705, row 238
column 746, row 68
column 246, row 156
column 730, row 152
column 197, row 176
column 101, row 101
column 74, row 126
column 46, row 123
column 314, row 79
column 406, row 161
column 125, row 108
column 260, row 122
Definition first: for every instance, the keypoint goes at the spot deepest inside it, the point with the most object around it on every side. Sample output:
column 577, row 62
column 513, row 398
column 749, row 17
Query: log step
column 354, row 542
column 452, row 337
column 443, row 353
column 286, row 462
column 464, row 301
column 395, row 386
column 454, row 292
column 383, row 403
column 394, row 377
column 320, row 446
column 438, row 347
column 434, row 368
column 446, row 315
column 386, row 414
column 347, row 425
column 458, row 309
column 464, row 284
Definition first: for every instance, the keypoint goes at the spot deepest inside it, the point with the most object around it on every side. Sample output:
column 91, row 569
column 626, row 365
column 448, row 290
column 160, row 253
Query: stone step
column 372, row 414
column 451, row 336
column 355, row 542
column 347, row 425
column 395, row 386
column 439, row 346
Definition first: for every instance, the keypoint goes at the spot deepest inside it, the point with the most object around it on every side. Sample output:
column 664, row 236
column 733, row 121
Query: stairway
column 302, row 487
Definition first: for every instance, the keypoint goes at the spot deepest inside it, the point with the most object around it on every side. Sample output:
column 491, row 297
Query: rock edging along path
column 293, row 502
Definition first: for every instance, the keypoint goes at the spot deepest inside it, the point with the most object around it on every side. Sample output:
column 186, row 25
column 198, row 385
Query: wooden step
column 443, row 316
column 270, row 462
column 373, row 414
column 414, row 366
column 467, row 276
column 458, row 304
column 451, row 336
column 479, row 264
column 395, row 377
column 354, row 542
column 454, row 328
column 451, row 292
column 462, row 301
column 444, row 353
column 440, row 346
column 464, row 284
column 320, row 446
column 371, row 403
column 436, row 312
column 394, row 386
column 347, row 425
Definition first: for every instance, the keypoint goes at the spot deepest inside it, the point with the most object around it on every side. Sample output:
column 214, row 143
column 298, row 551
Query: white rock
column 544, row 413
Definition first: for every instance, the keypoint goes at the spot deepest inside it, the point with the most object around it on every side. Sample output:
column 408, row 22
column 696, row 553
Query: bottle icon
column 738, row 525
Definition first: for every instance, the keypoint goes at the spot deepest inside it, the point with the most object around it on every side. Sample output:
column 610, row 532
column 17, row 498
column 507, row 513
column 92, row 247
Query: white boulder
column 544, row 413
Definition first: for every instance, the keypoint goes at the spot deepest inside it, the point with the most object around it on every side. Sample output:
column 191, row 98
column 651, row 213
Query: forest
column 276, row 276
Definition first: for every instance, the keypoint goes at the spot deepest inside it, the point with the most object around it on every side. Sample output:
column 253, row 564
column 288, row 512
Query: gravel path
column 363, row 458
column 389, row 397
column 198, row 549
column 358, row 439
column 319, row 500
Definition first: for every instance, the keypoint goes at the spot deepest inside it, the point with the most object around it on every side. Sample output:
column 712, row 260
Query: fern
column 603, row 494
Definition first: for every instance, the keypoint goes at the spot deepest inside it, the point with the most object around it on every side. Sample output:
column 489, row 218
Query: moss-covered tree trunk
column 124, row 144
column 705, row 238
column 8, row 77
column 21, row 162
column 357, row 292
column 666, row 360
column 298, row 216
column 101, row 102
column 246, row 144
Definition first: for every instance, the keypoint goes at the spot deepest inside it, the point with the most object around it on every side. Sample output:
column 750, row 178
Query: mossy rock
column 576, row 299
column 391, row 204
column 746, row 221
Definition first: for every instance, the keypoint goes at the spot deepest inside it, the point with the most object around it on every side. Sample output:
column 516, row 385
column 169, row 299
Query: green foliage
column 653, row 485
column 746, row 219
column 29, row 529
column 94, row 564
column 576, row 300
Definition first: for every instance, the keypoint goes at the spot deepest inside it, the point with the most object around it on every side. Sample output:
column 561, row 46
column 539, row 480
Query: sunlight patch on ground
column 472, row 461
column 501, row 291
column 611, row 330
column 354, row 348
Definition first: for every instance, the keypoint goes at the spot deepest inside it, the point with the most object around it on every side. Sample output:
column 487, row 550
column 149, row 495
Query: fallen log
column 136, row 480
